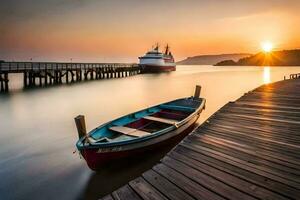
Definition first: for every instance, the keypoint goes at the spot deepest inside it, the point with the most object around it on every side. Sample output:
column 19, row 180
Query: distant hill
column 275, row 58
column 211, row 59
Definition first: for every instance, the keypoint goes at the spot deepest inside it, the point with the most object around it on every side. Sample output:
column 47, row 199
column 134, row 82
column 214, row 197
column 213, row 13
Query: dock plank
column 234, row 169
column 189, row 186
column 165, row 186
column 236, row 182
column 107, row 197
column 249, row 149
column 125, row 192
column 207, row 181
column 145, row 190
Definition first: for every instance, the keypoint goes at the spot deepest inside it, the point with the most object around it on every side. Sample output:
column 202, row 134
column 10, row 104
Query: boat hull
column 157, row 68
column 97, row 157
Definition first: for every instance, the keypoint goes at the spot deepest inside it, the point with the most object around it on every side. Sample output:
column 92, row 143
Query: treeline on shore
column 274, row 58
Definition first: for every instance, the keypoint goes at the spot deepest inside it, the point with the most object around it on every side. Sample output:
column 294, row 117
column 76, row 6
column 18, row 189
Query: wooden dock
column 49, row 73
column 249, row 149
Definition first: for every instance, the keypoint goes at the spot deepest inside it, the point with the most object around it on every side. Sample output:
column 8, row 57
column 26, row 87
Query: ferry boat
column 138, row 132
column 155, row 61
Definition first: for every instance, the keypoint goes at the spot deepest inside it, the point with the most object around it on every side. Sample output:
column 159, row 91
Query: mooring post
column 80, row 125
column 197, row 91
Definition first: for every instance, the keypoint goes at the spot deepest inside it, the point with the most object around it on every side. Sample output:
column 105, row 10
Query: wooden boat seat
column 129, row 131
column 163, row 120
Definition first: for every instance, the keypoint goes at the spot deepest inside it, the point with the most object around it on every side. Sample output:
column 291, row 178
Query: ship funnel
column 197, row 91
column 80, row 124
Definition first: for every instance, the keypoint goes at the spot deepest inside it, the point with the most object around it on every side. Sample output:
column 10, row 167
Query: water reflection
column 38, row 135
column 267, row 75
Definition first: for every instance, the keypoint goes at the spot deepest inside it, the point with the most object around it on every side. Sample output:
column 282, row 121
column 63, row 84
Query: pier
column 49, row 73
column 249, row 149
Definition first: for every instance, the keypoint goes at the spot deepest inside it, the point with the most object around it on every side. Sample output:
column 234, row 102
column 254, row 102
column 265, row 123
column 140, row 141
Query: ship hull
column 157, row 68
column 96, row 158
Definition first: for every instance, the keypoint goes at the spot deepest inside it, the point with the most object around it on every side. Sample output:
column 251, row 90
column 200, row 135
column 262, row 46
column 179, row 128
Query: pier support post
column 46, row 78
column 92, row 75
column 72, row 75
column 6, row 82
column 25, row 77
column 1, row 83
column 55, row 77
column 40, row 79
column 85, row 75
column 78, row 75
column 67, row 76
column 60, row 76
column 29, row 78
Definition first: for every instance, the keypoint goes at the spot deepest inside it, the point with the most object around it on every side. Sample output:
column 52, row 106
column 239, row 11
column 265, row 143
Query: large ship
column 156, row 61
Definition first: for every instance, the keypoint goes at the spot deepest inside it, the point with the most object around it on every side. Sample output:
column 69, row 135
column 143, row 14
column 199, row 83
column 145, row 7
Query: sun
column 267, row 46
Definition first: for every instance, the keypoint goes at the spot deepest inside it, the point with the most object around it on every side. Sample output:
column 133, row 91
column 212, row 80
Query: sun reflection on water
column 266, row 75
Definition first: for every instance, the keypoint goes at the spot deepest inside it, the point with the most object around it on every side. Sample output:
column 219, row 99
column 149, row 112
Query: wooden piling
column 6, row 80
column 25, row 77
column 67, row 77
column 197, row 91
column 80, row 124
column 40, row 80
column 46, row 78
column 1, row 83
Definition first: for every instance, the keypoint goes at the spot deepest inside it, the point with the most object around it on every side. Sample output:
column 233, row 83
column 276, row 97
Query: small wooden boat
column 139, row 131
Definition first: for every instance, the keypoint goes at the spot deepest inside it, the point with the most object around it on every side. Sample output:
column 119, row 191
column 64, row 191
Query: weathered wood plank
column 253, row 149
column 145, row 190
column 234, row 169
column 236, row 182
column 125, row 192
column 207, row 181
column 282, row 148
column 107, row 197
column 266, row 171
column 189, row 186
column 248, row 157
column 165, row 186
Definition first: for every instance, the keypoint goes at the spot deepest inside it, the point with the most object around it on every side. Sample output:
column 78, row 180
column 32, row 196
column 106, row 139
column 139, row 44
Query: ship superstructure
column 156, row 61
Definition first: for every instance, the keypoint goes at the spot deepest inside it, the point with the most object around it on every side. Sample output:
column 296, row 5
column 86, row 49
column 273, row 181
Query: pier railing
column 15, row 67
column 48, row 73
column 294, row 76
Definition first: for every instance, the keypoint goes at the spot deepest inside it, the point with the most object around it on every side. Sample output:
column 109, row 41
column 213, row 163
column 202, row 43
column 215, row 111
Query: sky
column 122, row 30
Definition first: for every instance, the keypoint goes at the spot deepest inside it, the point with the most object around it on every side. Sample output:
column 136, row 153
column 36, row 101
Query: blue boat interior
column 146, row 122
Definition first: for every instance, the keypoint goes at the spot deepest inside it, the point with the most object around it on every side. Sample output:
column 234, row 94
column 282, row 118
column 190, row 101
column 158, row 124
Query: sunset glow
column 267, row 47
column 266, row 75
column 121, row 30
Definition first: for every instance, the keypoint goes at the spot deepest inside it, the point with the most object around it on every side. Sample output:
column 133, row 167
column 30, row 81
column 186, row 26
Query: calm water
column 37, row 131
